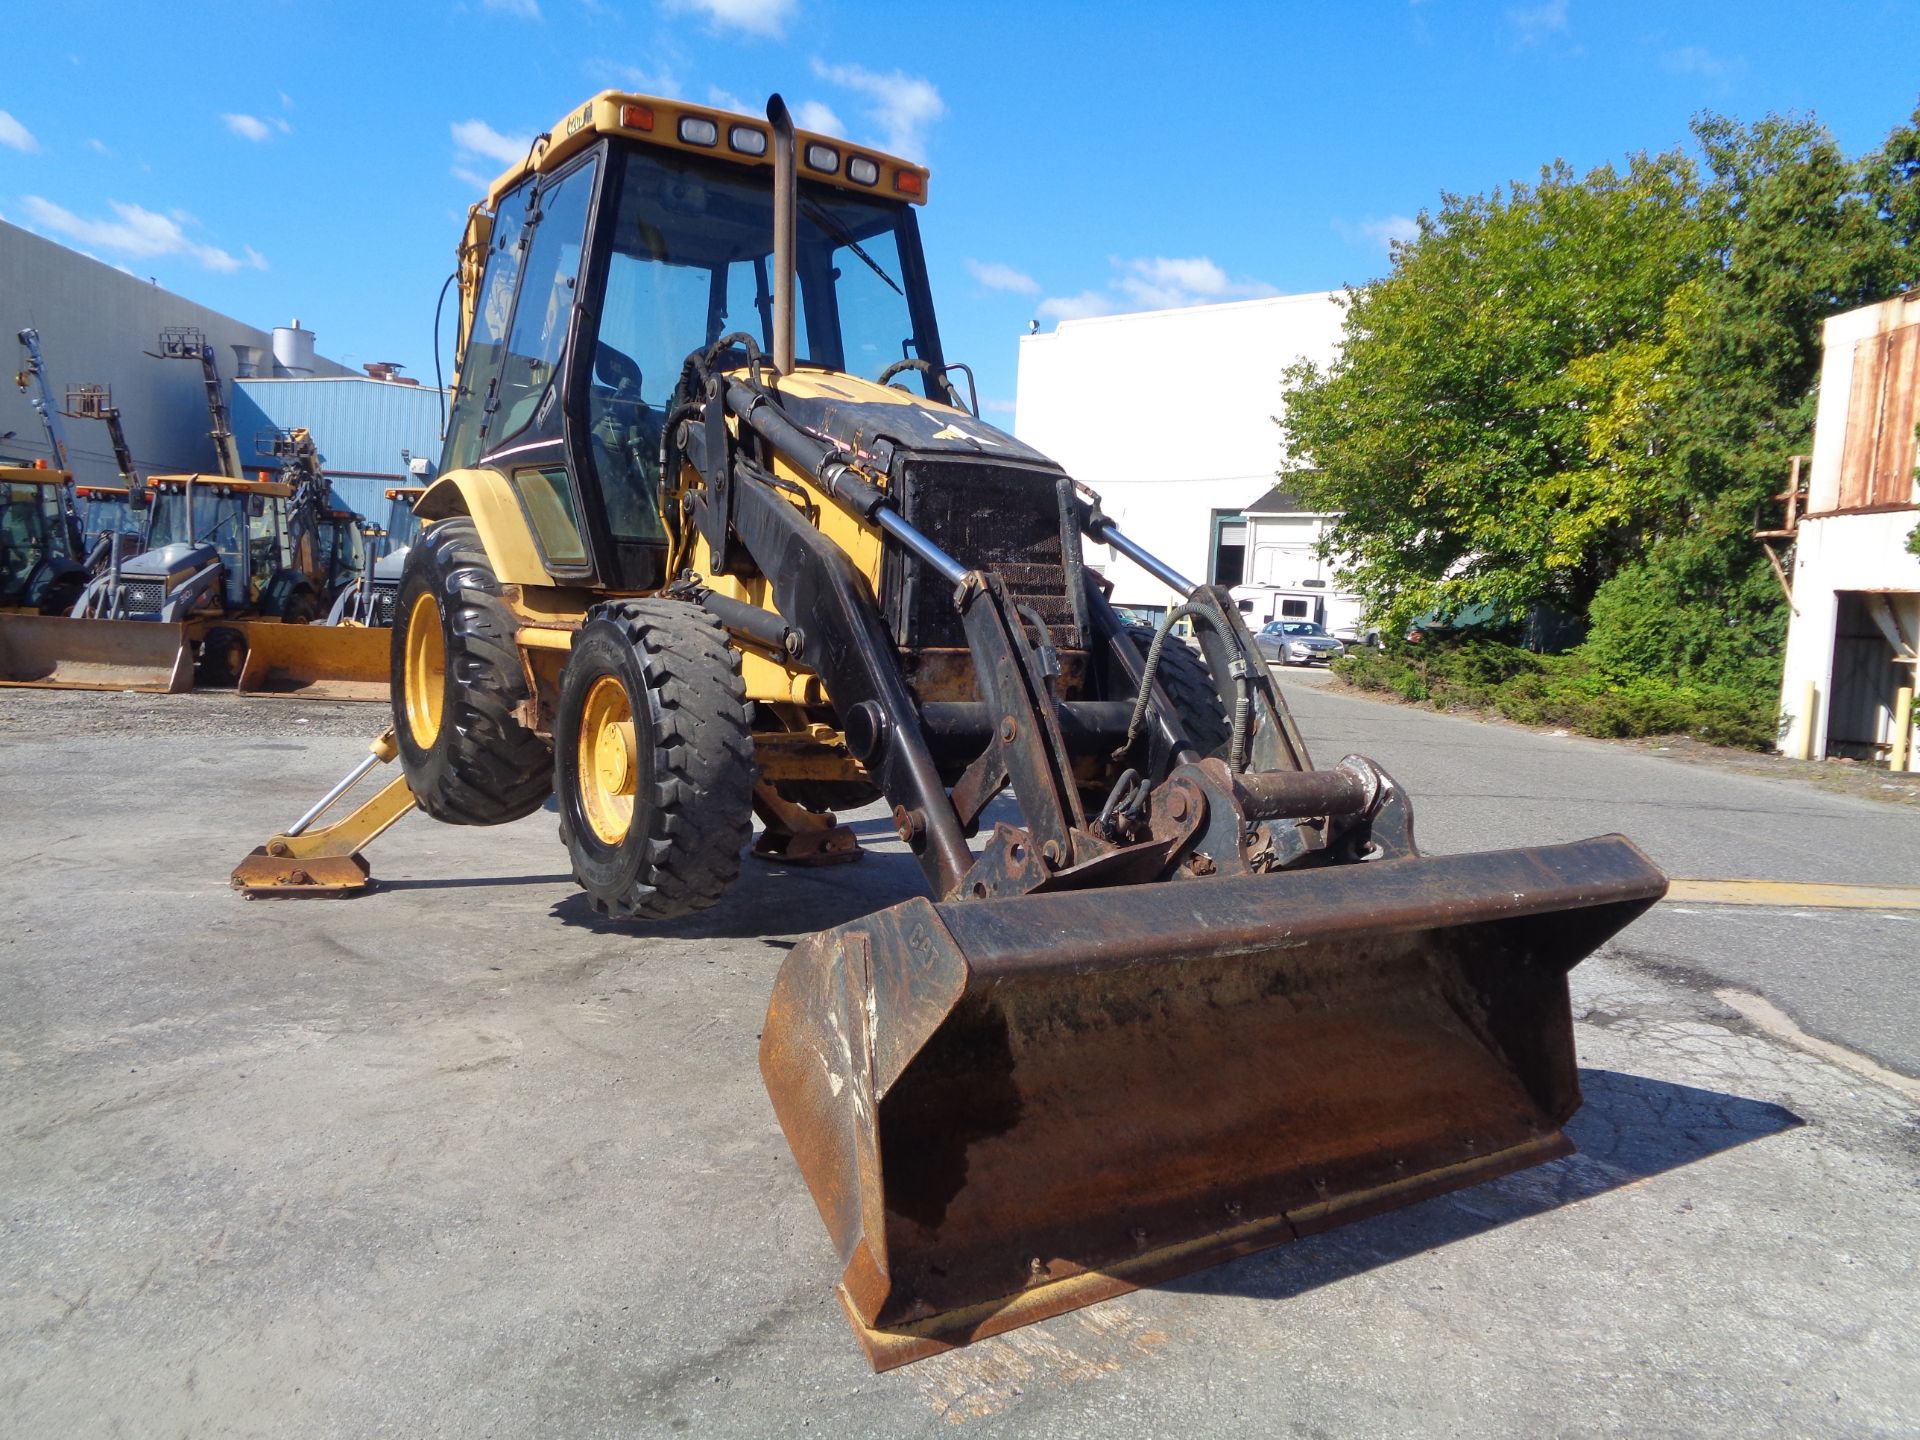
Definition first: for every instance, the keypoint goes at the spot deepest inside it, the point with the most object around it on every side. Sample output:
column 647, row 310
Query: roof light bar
column 698, row 130
column 862, row 171
column 823, row 158
column 909, row 182
column 637, row 117
column 747, row 140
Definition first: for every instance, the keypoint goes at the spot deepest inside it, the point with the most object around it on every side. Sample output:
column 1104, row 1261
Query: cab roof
column 720, row 134
column 272, row 489
column 33, row 475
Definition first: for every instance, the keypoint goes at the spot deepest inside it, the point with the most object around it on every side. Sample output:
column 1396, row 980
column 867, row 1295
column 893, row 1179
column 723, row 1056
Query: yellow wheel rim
column 425, row 671
column 609, row 760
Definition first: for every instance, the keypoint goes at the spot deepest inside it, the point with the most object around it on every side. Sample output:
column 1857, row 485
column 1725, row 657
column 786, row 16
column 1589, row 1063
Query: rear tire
column 1189, row 685
column 653, row 760
column 223, row 654
column 458, row 686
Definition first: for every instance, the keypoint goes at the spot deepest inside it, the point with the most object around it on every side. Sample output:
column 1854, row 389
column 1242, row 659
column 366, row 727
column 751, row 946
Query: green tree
column 1452, row 434
column 1580, row 393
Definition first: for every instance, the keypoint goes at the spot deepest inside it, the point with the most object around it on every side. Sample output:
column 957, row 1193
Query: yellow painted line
column 1795, row 893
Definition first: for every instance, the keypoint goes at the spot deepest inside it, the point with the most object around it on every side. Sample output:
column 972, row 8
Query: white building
column 1851, row 642
column 1170, row 416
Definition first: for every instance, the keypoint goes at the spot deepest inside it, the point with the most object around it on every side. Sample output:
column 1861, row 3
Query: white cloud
column 286, row 101
column 1157, row 283
column 1698, row 60
column 99, row 147
column 1161, row 283
column 767, row 18
column 139, row 232
column 727, row 100
column 1535, row 23
column 476, row 137
column 16, row 136
column 518, row 9
column 995, row 276
column 901, row 105
column 1385, row 232
column 1078, row 307
column 472, row 179
column 812, row 115
column 248, row 127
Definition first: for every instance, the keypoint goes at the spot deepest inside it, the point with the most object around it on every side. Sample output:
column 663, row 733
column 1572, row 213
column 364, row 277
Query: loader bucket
column 316, row 662
column 59, row 653
column 1006, row 1109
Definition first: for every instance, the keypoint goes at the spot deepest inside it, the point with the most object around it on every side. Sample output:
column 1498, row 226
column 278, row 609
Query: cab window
column 486, row 346
column 545, row 308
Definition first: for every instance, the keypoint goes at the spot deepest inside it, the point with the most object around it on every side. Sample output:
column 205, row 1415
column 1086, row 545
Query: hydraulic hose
column 1237, row 745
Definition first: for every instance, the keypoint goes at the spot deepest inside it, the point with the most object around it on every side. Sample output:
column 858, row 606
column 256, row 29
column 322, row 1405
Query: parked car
column 1297, row 642
column 1353, row 633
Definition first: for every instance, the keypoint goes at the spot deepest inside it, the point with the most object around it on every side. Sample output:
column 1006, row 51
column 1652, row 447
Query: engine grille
column 385, row 593
column 1001, row 518
column 142, row 597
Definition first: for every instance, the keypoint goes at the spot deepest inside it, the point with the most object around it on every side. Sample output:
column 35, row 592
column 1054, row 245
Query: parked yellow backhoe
column 714, row 533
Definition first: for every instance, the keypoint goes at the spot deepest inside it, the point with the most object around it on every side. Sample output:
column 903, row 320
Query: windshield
column 692, row 247
column 218, row 520
column 109, row 514
column 1301, row 627
column 403, row 526
column 167, row 520
column 25, row 524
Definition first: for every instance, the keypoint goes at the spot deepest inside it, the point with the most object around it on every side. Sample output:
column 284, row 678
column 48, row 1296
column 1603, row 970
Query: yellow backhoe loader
column 714, row 533
column 312, row 659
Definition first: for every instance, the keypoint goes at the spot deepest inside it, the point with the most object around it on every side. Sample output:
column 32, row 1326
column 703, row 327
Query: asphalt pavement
column 459, row 1158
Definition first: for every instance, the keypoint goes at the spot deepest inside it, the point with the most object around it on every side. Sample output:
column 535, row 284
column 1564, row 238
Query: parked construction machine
column 312, row 657
column 368, row 599
column 714, row 533
column 39, row 571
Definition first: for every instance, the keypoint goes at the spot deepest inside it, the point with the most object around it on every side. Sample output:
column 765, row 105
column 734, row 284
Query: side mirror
column 256, row 506
column 139, row 499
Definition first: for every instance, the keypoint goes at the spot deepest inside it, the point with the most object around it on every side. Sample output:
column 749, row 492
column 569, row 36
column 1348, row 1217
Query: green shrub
column 1569, row 691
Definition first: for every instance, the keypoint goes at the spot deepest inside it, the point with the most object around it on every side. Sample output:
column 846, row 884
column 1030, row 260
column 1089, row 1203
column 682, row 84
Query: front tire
column 458, row 686
column 1189, row 685
column 653, row 760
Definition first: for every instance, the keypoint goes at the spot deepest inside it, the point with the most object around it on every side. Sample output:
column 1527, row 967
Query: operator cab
column 33, row 529
column 235, row 519
column 108, row 510
column 607, row 267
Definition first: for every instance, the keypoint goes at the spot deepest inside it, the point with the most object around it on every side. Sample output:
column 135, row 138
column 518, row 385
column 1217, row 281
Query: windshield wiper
column 839, row 232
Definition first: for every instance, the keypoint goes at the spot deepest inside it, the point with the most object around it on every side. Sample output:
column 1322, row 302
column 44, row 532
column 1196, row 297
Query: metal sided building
column 100, row 325
column 1853, row 640
column 1170, row 416
column 364, row 428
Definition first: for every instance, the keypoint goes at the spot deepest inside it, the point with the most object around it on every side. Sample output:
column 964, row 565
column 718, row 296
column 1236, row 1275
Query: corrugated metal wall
column 360, row 425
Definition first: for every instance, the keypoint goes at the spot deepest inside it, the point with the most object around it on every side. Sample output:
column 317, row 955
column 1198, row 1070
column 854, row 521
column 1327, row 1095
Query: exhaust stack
column 785, row 204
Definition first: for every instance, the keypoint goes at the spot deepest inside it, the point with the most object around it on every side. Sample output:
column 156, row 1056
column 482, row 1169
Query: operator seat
column 626, row 445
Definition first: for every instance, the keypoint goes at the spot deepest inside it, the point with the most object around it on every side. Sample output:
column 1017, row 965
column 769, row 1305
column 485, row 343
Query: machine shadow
column 472, row 882
column 1630, row 1128
column 776, row 902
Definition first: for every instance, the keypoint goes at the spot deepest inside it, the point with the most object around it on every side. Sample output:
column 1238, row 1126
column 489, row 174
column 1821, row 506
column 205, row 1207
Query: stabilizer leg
column 795, row 835
column 327, row 861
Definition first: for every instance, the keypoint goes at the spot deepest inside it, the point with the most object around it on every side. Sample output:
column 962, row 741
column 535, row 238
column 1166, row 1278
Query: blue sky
column 291, row 157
